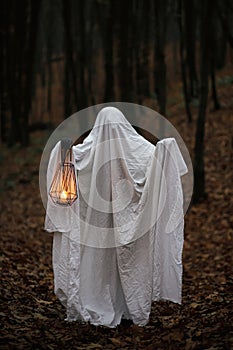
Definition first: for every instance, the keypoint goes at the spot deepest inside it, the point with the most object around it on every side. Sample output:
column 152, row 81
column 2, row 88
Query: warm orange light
column 64, row 195
column 63, row 189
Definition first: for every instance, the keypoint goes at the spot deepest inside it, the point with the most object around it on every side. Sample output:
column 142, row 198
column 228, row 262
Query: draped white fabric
column 119, row 246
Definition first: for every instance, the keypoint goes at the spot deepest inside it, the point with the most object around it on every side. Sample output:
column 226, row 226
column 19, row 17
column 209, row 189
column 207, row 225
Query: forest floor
column 32, row 317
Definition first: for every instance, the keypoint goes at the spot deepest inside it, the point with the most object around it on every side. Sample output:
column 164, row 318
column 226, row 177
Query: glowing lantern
column 63, row 190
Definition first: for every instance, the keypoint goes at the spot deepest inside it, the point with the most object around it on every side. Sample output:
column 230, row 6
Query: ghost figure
column 119, row 246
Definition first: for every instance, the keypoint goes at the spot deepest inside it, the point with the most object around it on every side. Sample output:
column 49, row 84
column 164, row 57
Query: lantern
column 63, row 190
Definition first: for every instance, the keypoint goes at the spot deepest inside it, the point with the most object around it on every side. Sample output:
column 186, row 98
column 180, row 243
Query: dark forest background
column 60, row 56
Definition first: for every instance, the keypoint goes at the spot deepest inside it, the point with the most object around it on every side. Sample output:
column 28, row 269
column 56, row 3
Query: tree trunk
column 81, row 54
column 190, row 43
column 199, row 170
column 213, row 56
column 146, row 49
column 214, row 90
column 125, row 79
column 70, row 70
column 21, row 29
column 90, row 39
column 224, row 9
column 137, row 22
column 34, row 10
column 67, row 91
column 3, row 70
column 15, row 51
column 106, row 19
column 160, row 65
column 141, row 39
column 182, row 61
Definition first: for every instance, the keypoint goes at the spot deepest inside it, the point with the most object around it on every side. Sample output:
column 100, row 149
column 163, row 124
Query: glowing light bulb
column 64, row 195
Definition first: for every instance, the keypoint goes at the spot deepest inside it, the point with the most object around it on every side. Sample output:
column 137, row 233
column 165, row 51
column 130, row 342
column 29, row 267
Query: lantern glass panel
column 63, row 190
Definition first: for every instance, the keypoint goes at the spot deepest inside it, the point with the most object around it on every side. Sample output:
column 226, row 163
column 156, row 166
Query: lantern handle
column 66, row 145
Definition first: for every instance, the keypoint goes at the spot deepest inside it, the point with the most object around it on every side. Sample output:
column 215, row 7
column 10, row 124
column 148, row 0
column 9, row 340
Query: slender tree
column 21, row 28
column 205, row 39
column 90, row 49
column 70, row 67
column 213, row 55
column 106, row 26
column 183, row 59
column 81, row 54
column 141, row 34
column 189, row 34
column 225, row 13
column 124, row 64
column 3, row 69
column 160, row 18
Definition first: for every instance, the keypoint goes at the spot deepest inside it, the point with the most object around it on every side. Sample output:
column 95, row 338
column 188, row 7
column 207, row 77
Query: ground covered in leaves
column 32, row 317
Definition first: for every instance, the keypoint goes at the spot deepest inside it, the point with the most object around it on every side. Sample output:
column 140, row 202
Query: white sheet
column 119, row 246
